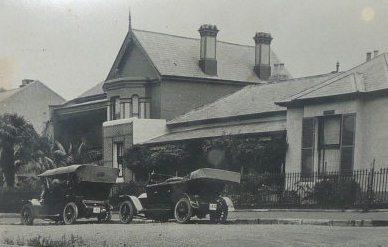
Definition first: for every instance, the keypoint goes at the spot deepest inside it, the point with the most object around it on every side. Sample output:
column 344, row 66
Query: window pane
column 331, row 130
column 308, row 133
column 348, row 129
column 117, row 108
column 346, row 159
column 148, row 110
column 135, row 106
column 307, row 162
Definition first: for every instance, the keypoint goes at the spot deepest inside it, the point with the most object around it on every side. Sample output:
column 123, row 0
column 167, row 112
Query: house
column 340, row 124
column 157, row 77
column 31, row 100
column 333, row 122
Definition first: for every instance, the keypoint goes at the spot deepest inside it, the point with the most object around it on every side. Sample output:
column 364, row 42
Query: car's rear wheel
column 70, row 213
column 126, row 212
column 183, row 210
column 221, row 214
column 105, row 217
column 27, row 215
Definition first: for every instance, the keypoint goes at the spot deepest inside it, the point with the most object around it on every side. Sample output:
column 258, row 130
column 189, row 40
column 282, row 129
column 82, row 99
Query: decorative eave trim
column 209, row 80
column 226, row 119
column 126, row 82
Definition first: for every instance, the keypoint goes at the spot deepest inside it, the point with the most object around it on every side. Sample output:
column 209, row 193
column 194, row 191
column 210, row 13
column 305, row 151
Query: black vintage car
column 197, row 194
column 72, row 192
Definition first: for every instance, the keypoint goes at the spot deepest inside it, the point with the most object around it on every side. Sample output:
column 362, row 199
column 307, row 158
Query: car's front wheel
column 70, row 213
column 183, row 210
column 27, row 215
column 126, row 212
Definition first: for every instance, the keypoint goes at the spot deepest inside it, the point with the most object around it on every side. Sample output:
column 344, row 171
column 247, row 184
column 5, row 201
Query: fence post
column 369, row 201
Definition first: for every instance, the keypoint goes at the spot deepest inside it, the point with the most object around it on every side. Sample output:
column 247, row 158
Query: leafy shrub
column 334, row 192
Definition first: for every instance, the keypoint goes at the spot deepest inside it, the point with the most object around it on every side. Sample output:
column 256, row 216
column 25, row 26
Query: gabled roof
column 252, row 99
column 178, row 56
column 96, row 90
column 368, row 77
column 8, row 93
column 4, row 95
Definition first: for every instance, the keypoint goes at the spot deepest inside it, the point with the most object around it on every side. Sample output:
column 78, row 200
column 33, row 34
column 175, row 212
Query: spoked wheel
column 183, row 210
column 27, row 216
column 105, row 217
column 221, row 214
column 126, row 212
column 70, row 213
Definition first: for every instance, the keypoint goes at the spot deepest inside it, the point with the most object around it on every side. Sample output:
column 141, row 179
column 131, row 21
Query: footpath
column 279, row 216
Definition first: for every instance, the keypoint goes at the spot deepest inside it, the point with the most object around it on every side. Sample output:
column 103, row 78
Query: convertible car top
column 85, row 173
column 216, row 174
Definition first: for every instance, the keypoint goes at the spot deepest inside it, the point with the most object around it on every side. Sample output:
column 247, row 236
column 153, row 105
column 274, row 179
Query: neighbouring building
column 334, row 122
column 31, row 100
column 157, row 77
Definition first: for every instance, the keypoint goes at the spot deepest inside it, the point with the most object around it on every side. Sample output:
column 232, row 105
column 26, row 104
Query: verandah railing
column 358, row 189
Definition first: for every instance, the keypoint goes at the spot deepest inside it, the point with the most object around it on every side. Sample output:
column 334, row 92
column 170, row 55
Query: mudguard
column 135, row 201
column 229, row 203
column 35, row 206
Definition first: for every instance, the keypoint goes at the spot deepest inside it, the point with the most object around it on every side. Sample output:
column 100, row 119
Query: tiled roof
column 8, row 93
column 179, row 56
column 252, row 99
column 97, row 89
column 367, row 77
column 240, row 129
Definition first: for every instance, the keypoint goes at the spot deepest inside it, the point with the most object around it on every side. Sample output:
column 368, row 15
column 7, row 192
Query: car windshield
column 158, row 178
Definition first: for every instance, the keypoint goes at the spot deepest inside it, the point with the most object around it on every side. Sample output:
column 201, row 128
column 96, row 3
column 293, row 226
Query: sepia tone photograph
column 131, row 123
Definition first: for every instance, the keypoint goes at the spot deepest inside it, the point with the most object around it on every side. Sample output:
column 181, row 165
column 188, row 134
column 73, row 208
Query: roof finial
column 337, row 66
column 129, row 20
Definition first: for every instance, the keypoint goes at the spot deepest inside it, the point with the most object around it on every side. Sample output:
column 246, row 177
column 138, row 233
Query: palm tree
column 17, row 141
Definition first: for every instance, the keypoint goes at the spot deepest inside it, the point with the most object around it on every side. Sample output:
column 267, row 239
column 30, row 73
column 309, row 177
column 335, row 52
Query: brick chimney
column 368, row 56
column 263, row 55
column 25, row 82
column 208, row 50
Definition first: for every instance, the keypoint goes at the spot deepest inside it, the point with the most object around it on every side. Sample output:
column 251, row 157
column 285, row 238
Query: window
column 307, row 147
column 115, row 108
column 329, row 144
column 135, row 106
column 336, row 134
column 118, row 157
column 347, row 143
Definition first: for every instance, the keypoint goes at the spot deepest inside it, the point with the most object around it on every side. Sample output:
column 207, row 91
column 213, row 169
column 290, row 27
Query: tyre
column 27, row 215
column 221, row 214
column 70, row 213
column 126, row 212
column 105, row 217
column 183, row 210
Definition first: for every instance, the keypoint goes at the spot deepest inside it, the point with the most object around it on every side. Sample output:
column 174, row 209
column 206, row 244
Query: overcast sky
column 71, row 45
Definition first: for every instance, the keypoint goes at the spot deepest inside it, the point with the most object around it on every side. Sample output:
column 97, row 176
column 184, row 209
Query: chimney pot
column 208, row 49
column 25, row 82
column 263, row 55
column 368, row 56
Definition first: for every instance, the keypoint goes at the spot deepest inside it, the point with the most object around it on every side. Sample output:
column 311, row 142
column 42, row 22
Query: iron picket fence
column 364, row 189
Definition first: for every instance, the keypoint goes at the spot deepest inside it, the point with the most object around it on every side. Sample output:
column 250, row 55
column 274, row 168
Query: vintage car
column 197, row 194
column 72, row 192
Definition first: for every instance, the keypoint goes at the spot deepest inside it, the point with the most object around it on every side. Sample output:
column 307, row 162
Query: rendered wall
column 32, row 102
column 375, row 132
column 294, row 131
column 179, row 97
column 129, row 131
